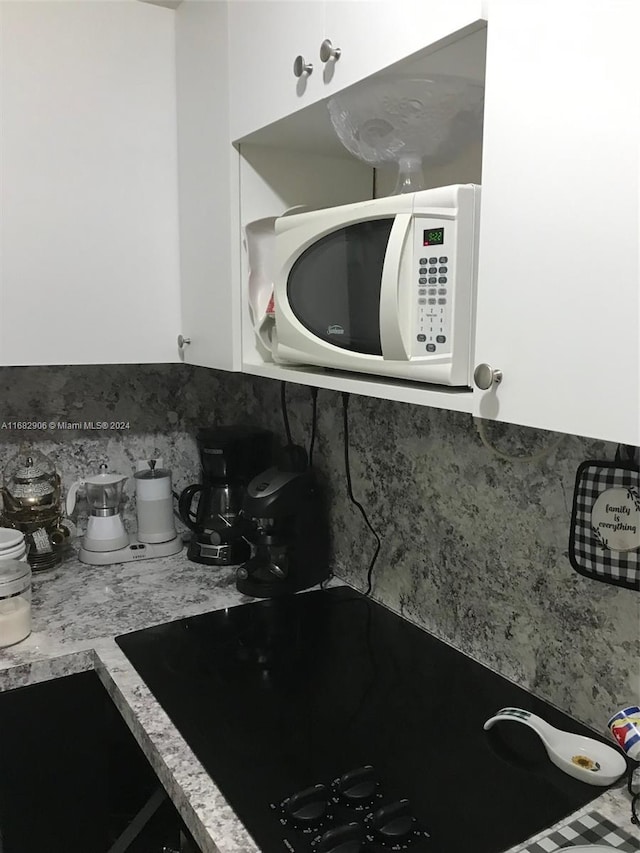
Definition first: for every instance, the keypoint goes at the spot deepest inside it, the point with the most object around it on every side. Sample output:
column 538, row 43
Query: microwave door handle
column 394, row 338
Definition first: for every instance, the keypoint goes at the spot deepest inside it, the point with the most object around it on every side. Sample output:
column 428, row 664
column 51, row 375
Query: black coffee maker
column 230, row 457
column 287, row 524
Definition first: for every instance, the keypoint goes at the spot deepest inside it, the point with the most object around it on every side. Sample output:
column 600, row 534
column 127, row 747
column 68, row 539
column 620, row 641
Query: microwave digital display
column 433, row 237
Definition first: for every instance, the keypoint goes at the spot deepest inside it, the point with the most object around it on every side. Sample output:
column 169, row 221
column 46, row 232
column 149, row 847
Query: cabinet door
column 208, row 189
column 89, row 226
column 265, row 36
column 558, row 294
column 373, row 34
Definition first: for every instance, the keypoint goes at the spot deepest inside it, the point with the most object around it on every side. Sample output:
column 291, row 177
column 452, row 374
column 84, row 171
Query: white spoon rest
column 581, row 757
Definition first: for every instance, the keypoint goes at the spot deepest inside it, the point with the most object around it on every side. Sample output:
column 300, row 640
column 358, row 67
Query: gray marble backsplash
column 474, row 548
column 161, row 407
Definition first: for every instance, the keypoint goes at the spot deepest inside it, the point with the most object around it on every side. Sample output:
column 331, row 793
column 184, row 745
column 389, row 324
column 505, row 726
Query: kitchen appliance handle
column 72, row 495
column 393, row 331
column 184, row 505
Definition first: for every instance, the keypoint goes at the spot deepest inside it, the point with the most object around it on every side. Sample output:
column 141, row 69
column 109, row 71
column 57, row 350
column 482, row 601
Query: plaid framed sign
column 604, row 542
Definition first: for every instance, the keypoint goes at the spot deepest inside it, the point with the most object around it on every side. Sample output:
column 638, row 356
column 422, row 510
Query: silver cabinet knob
column 485, row 376
column 328, row 51
column 182, row 342
column 301, row 67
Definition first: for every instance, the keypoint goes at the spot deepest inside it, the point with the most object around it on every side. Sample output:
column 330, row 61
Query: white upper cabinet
column 558, row 301
column 265, row 37
column 559, row 291
column 89, row 202
column 208, row 190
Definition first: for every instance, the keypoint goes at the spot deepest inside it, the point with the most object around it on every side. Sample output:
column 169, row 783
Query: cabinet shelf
column 308, row 129
column 421, row 394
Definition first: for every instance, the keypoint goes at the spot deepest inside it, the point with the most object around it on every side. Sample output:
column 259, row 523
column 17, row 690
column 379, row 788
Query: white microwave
column 384, row 287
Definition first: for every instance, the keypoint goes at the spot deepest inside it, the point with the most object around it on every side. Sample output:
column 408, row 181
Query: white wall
column 89, row 186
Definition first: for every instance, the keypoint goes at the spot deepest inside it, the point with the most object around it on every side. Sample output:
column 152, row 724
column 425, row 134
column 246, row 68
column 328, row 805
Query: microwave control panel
column 432, row 286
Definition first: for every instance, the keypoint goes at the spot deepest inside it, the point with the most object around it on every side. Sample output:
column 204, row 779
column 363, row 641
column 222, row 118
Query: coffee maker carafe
column 288, row 529
column 230, row 457
column 105, row 528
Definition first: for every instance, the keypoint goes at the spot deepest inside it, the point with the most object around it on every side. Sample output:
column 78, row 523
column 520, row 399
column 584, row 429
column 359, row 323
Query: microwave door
column 395, row 319
column 333, row 288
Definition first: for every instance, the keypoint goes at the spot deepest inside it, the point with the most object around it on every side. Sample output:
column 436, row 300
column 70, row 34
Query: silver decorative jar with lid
column 31, row 498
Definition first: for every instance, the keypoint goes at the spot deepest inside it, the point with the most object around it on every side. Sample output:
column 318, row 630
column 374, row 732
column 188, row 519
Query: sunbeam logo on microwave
column 335, row 330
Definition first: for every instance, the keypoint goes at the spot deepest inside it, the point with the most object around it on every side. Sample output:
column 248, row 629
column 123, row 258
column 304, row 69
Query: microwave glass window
column 433, row 237
column 334, row 286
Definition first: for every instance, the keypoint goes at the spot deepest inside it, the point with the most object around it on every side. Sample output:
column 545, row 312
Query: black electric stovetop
column 331, row 724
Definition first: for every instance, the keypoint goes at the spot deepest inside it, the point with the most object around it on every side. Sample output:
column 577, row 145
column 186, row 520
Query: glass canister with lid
column 15, row 602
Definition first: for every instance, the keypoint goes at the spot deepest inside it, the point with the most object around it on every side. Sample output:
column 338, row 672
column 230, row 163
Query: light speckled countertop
column 78, row 610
